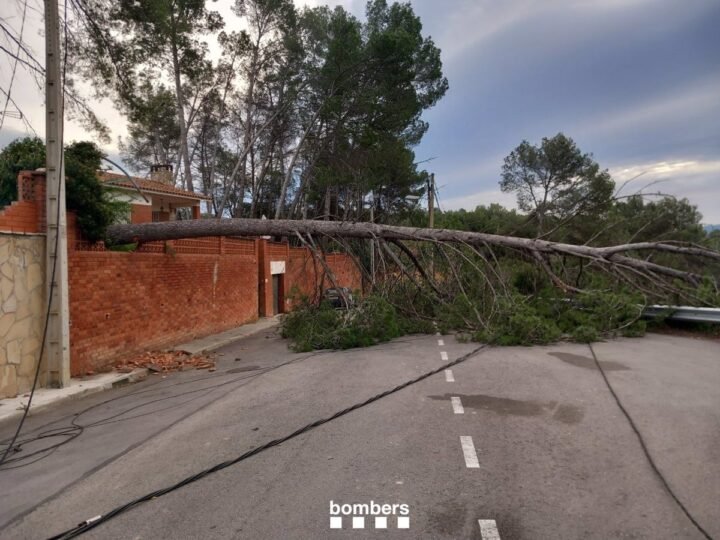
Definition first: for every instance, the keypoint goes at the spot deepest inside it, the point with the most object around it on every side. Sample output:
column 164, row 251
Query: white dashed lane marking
column 441, row 343
column 457, row 405
column 488, row 529
column 468, row 448
column 444, row 355
column 449, row 377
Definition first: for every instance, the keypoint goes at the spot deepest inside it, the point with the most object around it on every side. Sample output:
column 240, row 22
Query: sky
column 634, row 82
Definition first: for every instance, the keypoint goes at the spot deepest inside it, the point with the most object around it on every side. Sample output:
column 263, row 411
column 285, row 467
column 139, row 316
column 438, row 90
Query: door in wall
column 276, row 293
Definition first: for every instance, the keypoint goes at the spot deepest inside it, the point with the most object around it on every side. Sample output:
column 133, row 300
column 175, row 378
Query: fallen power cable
column 93, row 522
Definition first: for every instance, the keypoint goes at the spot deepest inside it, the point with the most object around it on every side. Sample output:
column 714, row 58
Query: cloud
column 695, row 180
column 472, row 23
column 480, row 198
column 683, row 104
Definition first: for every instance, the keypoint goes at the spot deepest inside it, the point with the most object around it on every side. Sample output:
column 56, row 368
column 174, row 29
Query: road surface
column 514, row 443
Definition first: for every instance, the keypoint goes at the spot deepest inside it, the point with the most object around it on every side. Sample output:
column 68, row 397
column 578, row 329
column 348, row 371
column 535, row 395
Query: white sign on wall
column 277, row 267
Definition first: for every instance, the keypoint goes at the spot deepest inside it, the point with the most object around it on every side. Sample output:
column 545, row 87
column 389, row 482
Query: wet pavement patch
column 587, row 362
column 567, row 414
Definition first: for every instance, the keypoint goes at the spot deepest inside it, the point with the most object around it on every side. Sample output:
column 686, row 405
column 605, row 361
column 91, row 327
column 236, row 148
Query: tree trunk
column 181, row 114
column 291, row 166
column 148, row 232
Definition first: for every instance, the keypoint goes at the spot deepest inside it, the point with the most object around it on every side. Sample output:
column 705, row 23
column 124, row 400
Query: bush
column 521, row 327
column 585, row 334
column 636, row 329
column 373, row 320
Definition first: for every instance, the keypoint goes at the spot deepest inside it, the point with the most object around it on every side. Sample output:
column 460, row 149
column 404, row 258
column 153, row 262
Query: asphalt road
column 529, row 441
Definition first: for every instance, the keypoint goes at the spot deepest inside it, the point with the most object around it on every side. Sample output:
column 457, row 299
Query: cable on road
column 645, row 450
column 68, row 433
column 93, row 522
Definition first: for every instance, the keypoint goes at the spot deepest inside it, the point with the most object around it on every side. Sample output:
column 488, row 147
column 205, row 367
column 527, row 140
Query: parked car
column 334, row 296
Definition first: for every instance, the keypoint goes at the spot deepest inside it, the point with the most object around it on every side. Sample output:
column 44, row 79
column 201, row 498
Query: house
column 156, row 198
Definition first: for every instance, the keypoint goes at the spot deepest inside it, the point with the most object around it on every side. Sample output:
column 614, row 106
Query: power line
column 93, row 522
column 14, row 69
column 60, row 203
column 23, row 116
column 36, row 65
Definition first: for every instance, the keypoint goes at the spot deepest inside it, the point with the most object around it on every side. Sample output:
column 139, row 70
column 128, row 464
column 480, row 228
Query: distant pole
column 431, row 200
column 372, row 244
column 57, row 342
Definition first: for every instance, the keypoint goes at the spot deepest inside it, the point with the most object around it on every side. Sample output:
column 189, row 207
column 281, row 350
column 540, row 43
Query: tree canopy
column 305, row 112
column 556, row 180
column 93, row 204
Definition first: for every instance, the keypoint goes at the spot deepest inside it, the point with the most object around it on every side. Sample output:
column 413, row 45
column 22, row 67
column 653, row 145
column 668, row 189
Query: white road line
column 438, row 334
column 441, row 343
column 443, row 355
column 488, row 529
column 457, row 405
column 449, row 377
column 468, row 448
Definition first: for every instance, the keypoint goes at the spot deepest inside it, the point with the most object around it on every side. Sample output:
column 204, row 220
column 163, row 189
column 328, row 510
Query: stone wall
column 22, row 298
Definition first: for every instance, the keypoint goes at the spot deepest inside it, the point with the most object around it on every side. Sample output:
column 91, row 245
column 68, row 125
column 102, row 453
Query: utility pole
column 431, row 200
column 372, row 243
column 57, row 344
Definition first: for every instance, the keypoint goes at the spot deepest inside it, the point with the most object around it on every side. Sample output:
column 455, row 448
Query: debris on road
column 166, row 361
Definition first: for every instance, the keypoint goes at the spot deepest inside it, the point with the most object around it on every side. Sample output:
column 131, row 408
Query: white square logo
column 335, row 522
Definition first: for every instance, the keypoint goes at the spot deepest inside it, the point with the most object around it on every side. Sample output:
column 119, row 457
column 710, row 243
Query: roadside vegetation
column 312, row 115
column 506, row 297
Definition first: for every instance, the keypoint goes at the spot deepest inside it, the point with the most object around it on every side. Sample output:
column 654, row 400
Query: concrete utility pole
column 372, row 243
column 431, row 201
column 57, row 344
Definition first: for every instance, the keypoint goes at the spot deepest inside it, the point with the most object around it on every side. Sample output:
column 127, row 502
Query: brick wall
column 166, row 293
column 27, row 214
column 141, row 213
column 303, row 275
column 122, row 303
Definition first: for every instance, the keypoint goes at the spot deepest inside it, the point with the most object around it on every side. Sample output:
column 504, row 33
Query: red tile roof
column 150, row 186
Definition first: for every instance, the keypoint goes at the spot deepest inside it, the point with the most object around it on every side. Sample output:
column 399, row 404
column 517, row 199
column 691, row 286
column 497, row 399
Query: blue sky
column 635, row 82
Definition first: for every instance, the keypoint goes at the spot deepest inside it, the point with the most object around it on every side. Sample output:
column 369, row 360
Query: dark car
column 334, row 296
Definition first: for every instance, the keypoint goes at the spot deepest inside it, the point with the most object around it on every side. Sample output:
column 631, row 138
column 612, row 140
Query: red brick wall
column 27, row 214
column 141, row 213
column 122, row 303
column 20, row 217
column 166, row 292
column 346, row 271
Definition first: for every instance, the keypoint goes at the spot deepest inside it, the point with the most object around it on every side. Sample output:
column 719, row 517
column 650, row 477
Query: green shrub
column 585, row 334
column 636, row 329
column 373, row 320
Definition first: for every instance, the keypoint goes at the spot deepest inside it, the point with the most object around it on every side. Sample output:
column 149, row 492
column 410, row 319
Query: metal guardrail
column 684, row 313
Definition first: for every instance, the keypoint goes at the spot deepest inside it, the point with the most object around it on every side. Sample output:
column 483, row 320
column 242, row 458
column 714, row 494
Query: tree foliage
column 556, row 180
column 93, row 204
column 305, row 113
column 20, row 155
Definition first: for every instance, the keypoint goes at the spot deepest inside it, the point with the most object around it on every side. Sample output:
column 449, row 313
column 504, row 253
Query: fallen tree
column 613, row 256
column 502, row 289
